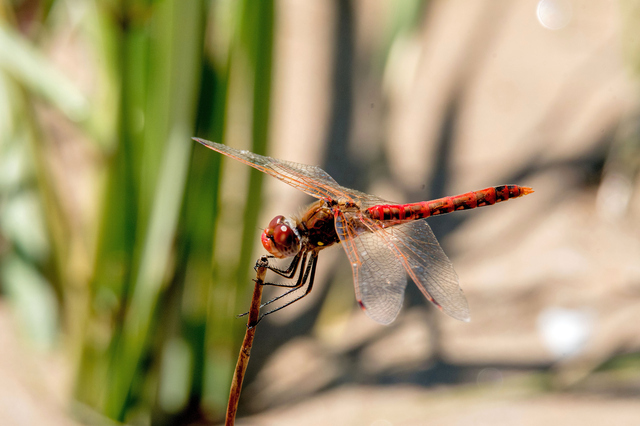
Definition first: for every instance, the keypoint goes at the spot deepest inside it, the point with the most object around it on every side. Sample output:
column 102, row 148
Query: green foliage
column 145, row 303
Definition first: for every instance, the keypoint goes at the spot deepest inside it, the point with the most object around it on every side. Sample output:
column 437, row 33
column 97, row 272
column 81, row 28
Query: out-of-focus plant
column 623, row 160
column 144, row 286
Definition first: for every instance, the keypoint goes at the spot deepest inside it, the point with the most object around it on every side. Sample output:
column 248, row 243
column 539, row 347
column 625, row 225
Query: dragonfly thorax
column 317, row 226
column 281, row 238
column 346, row 204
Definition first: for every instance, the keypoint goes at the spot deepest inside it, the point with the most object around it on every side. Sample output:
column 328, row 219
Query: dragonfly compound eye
column 275, row 222
column 281, row 238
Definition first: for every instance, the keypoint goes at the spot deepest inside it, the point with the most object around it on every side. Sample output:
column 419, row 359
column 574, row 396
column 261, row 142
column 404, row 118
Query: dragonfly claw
column 263, row 262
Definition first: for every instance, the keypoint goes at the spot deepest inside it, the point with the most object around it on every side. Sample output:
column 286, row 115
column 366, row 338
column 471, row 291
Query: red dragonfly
column 384, row 241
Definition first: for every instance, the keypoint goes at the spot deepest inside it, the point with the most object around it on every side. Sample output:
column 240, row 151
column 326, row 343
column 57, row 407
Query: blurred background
column 127, row 250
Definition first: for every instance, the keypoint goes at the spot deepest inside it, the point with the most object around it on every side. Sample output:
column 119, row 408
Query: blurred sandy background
column 408, row 100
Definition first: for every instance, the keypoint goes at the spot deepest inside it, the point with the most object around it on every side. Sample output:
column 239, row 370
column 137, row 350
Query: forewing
column 428, row 266
column 378, row 274
column 309, row 179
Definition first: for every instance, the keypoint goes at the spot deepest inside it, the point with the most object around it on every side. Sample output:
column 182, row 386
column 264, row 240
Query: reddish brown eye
column 275, row 222
column 280, row 238
column 283, row 235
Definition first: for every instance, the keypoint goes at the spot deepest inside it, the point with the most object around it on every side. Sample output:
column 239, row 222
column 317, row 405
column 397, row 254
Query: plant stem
column 245, row 349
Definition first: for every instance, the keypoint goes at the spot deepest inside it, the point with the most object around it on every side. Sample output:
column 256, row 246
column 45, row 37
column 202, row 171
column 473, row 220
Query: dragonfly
column 385, row 242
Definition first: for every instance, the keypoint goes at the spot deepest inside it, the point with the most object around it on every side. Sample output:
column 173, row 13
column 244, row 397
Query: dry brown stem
column 247, row 343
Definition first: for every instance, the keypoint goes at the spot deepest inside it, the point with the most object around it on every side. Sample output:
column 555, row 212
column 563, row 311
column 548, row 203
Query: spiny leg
column 291, row 270
column 309, row 275
column 297, row 284
column 293, row 287
column 302, row 278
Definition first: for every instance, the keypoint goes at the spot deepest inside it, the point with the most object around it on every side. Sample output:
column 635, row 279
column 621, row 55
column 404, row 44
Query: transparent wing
column 309, row 179
column 428, row 266
column 380, row 257
column 378, row 274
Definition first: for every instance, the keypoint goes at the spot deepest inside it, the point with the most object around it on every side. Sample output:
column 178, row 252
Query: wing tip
column 464, row 316
column 461, row 316
column 199, row 140
column 211, row 145
column 384, row 320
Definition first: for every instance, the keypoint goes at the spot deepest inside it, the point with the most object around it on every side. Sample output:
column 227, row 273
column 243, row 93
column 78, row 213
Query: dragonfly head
column 281, row 238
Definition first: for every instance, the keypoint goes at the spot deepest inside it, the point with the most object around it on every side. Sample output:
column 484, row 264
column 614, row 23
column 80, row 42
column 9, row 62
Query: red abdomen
column 470, row 200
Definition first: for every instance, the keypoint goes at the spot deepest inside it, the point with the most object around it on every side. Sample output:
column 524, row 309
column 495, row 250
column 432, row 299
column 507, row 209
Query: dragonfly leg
column 293, row 287
column 309, row 275
column 291, row 269
column 263, row 258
